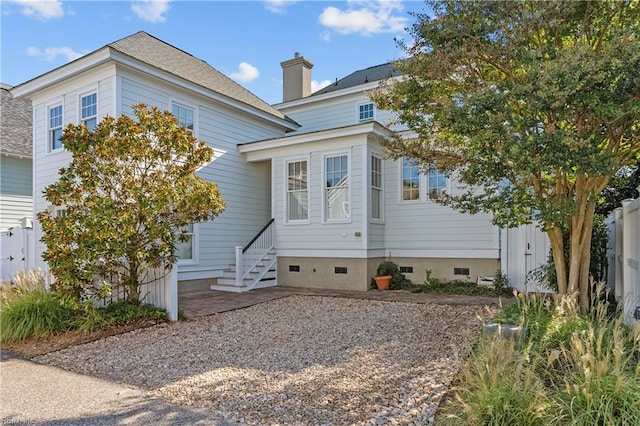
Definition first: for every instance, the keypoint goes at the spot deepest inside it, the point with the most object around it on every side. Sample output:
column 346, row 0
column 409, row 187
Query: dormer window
column 365, row 112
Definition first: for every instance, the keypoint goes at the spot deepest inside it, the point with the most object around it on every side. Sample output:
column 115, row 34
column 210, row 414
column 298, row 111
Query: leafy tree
column 533, row 105
column 623, row 185
column 128, row 191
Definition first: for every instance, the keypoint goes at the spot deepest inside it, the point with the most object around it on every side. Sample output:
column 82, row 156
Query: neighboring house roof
column 164, row 56
column 15, row 124
column 367, row 75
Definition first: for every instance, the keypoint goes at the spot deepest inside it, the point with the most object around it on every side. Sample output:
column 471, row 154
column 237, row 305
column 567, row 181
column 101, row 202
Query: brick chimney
column 296, row 78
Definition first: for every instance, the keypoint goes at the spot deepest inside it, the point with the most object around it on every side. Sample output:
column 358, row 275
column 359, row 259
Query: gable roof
column 155, row 52
column 15, row 124
column 142, row 49
column 367, row 75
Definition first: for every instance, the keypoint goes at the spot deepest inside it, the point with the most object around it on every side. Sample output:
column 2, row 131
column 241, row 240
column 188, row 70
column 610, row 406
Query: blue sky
column 245, row 40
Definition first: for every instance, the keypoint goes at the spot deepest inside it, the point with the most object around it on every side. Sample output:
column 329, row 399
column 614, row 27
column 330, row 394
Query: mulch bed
column 36, row 346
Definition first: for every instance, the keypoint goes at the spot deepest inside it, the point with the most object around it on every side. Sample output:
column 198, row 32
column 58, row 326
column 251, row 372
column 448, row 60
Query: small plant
column 429, row 281
column 500, row 281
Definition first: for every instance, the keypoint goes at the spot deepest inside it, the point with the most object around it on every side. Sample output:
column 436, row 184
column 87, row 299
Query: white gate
column 17, row 251
column 524, row 250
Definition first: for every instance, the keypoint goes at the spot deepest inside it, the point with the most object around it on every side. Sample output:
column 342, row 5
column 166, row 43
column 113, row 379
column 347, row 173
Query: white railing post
column 239, row 266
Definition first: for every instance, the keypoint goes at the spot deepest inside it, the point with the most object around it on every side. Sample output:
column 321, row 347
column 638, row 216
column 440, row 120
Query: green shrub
column 126, row 311
column 468, row 288
column 33, row 313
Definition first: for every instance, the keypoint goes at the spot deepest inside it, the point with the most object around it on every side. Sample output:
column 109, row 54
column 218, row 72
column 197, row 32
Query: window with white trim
column 89, row 110
column 410, row 181
column 297, row 191
column 185, row 250
column 437, row 185
column 337, row 188
column 184, row 116
column 376, row 188
column 55, row 127
column 419, row 186
column 365, row 112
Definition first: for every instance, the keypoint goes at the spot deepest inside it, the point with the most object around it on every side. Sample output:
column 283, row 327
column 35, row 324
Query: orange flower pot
column 383, row 282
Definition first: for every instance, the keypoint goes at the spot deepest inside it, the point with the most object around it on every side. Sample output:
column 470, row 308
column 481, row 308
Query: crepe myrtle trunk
column 573, row 275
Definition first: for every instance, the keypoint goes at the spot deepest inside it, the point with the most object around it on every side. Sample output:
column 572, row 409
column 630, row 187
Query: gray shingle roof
column 367, row 75
column 166, row 57
column 15, row 124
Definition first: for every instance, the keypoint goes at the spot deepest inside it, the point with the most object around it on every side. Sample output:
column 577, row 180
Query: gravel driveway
column 299, row 360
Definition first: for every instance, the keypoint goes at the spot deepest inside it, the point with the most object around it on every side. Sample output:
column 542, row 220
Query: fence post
column 172, row 294
column 239, row 266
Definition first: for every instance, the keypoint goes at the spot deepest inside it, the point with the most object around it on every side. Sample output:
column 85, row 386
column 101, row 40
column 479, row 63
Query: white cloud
column 42, row 10
column 246, row 73
column 154, row 11
column 365, row 17
column 277, row 6
column 51, row 53
column 317, row 85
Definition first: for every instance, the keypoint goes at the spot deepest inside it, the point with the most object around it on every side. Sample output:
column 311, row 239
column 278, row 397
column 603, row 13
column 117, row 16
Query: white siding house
column 312, row 200
column 16, row 197
column 386, row 209
column 143, row 69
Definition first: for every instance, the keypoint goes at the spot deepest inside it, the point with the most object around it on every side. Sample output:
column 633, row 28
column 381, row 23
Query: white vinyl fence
column 17, row 253
column 624, row 256
column 160, row 290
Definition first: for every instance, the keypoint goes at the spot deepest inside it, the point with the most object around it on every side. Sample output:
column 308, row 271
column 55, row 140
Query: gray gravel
column 301, row 360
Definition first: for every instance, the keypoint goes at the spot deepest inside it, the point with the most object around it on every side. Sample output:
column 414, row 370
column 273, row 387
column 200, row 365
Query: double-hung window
column 376, row 188
column 437, row 184
column 419, row 186
column 184, row 116
column 337, row 188
column 365, row 112
column 297, row 191
column 185, row 250
column 410, row 181
column 89, row 110
column 55, row 127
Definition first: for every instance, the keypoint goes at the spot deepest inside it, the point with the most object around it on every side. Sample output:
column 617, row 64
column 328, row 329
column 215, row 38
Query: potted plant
column 383, row 282
column 384, row 274
column 389, row 277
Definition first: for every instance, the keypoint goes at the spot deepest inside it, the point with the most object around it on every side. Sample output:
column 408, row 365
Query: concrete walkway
column 34, row 394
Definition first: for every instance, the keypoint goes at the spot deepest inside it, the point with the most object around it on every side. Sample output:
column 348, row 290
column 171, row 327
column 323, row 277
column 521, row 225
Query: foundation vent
column 460, row 271
column 406, row 269
column 340, row 270
column 294, row 268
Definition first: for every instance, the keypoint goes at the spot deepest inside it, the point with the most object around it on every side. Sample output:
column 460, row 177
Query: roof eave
column 16, row 155
column 334, row 94
column 372, row 127
column 63, row 72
